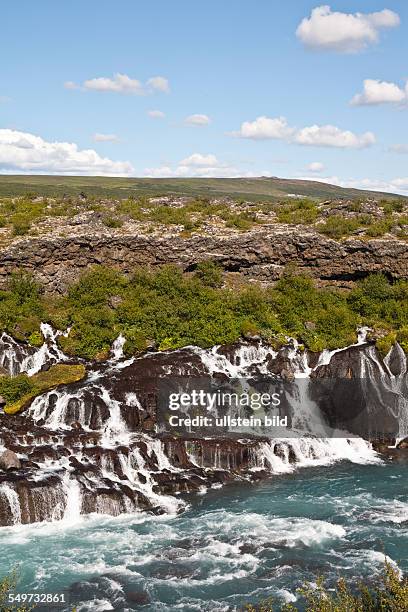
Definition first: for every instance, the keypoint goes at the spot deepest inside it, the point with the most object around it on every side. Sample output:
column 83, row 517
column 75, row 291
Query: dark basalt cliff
column 260, row 254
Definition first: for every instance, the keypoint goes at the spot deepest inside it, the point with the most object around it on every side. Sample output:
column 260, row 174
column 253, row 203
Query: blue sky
column 222, row 66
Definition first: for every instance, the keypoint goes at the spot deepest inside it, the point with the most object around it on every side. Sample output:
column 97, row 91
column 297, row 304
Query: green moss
column 36, row 339
column 21, row 390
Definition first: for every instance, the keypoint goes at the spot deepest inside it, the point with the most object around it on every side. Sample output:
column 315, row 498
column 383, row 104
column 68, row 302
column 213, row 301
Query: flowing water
column 238, row 544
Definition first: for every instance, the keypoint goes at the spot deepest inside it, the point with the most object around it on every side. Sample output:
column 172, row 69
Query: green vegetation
column 36, row 215
column 391, row 595
column 298, row 212
column 167, row 309
column 338, row 226
column 21, row 389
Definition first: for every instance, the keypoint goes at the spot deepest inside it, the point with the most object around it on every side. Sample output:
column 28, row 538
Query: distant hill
column 261, row 188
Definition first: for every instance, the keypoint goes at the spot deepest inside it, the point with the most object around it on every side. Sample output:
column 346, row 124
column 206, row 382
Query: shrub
column 380, row 227
column 112, row 222
column 249, row 329
column 21, row 224
column 209, row 273
column 337, row 226
column 385, row 343
column 298, row 212
column 169, row 309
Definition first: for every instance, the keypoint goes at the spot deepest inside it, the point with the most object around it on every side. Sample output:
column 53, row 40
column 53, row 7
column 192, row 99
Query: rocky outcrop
column 260, row 254
column 9, row 461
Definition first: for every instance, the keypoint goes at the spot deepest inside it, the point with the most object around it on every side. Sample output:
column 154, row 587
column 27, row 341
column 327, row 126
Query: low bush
column 168, row 309
column 337, row 226
column 297, row 212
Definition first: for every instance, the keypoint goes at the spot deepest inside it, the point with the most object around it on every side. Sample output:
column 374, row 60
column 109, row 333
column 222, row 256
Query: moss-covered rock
column 60, row 374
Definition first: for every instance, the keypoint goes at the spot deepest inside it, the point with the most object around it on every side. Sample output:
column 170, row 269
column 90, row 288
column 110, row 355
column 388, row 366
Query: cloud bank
column 196, row 165
column 266, row 128
column 22, row 152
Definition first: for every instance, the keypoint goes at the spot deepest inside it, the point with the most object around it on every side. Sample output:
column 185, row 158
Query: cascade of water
column 116, row 431
column 17, row 358
column 281, row 455
column 57, row 417
column 13, row 355
column 73, row 503
column 134, row 466
column 117, row 348
column 13, row 502
column 243, row 358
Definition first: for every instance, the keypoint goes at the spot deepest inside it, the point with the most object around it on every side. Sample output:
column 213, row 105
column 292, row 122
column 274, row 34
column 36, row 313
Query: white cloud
column 380, row 92
column 71, row 85
column 316, row 167
column 319, row 136
column 197, row 159
column 98, row 137
column 196, row 165
column 23, row 152
column 122, row 83
column 326, row 30
column 332, row 136
column 264, row 128
column 159, row 83
column 156, row 114
column 198, row 120
column 401, row 149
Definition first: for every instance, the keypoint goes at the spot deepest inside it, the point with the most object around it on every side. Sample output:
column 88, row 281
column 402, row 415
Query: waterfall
column 13, row 502
column 115, row 431
column 117, row 348
column 73, row 503
column 282, row 455
column 237, row 363
column 17, row 358
column 140, row 476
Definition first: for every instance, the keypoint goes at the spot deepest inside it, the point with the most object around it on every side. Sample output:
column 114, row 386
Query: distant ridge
column 270, row 188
